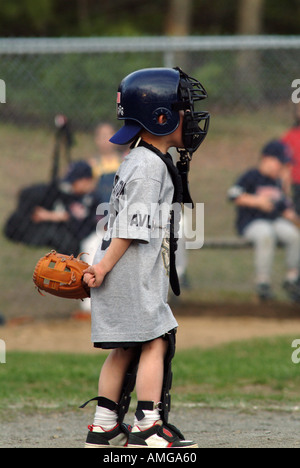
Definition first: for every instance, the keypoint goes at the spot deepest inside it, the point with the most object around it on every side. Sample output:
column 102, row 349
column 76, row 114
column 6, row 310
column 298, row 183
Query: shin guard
column 167, row 381
column 128, row 386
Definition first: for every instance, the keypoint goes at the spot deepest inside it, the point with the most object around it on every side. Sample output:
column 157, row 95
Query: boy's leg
column 113, row 373
column 151, row 370
column 150, row 430
column 106, row 430
column 261, row 234
column 149, row 380
column 289, row 235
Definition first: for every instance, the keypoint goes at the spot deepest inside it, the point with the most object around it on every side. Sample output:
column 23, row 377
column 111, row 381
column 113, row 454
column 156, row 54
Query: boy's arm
column 41, row 215
column 94, row 275
column 243, row 194
column 260, row 202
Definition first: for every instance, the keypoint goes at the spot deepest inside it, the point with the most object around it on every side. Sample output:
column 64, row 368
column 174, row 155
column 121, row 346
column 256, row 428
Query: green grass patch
column 256, row 372
column 32, row 380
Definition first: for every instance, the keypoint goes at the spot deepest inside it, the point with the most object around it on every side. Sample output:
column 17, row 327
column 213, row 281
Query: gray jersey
column 131, row 304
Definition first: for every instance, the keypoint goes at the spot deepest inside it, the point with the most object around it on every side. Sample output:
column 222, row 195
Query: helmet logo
column 120, row 111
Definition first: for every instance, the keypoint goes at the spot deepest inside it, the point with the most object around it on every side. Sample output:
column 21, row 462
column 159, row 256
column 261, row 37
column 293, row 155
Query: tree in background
column 250, row 17
column 29, row 18
column 178, row 18
column 250, row 22
column 178, row 23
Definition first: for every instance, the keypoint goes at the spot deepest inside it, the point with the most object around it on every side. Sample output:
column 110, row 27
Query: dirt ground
column 200, row 327
column 210, row 428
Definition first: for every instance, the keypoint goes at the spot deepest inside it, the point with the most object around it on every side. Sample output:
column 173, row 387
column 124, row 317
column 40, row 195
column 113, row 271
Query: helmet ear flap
column 148, row 97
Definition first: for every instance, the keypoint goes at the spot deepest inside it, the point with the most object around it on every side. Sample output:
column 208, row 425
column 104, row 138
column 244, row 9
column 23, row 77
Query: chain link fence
column 248, row 80
column 79, row 76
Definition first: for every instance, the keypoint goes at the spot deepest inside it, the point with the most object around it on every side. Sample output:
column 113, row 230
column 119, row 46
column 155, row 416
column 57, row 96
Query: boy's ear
column 162, row 119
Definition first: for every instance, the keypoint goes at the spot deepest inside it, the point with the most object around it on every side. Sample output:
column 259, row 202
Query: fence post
column 2, row 92
column 169, row 59
column 2, row 352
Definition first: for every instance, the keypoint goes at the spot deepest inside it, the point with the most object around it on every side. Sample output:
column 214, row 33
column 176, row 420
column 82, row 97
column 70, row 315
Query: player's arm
column 94, row 275
column 41, row 215
column 239, row 194
column 259, row 202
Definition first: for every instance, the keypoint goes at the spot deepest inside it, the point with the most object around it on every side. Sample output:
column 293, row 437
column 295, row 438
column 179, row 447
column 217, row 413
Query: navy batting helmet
column 145, row 95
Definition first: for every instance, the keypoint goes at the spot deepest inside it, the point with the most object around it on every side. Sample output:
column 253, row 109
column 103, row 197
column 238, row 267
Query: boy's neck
column 160, row 143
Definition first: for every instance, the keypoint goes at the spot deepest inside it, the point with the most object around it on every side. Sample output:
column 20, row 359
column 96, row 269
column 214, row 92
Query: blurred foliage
column 81, row 86
column 133, row 17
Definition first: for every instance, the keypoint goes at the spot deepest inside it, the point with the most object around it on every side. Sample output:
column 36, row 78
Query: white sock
column 105, row 418
column 151, row 416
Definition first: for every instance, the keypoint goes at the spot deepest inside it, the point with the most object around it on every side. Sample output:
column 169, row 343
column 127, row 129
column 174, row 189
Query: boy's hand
column 94, row 276
column 264, row 203
column 292, row 216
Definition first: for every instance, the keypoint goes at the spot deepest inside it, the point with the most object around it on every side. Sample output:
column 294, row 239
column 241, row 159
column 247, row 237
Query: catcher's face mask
column 195, row 123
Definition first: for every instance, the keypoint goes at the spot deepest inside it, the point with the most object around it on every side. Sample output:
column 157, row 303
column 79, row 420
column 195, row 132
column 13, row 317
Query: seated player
column 265, row 216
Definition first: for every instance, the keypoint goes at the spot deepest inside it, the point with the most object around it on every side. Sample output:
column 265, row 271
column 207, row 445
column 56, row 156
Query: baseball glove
column 61, row 275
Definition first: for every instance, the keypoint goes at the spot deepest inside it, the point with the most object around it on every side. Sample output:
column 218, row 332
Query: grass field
column 242, row 374
column 233, row 144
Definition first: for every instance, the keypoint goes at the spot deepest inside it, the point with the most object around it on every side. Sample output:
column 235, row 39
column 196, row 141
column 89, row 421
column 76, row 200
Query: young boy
column 265, row 216
column 129, row 279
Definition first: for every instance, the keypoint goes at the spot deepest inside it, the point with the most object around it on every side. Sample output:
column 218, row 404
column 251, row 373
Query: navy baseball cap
column 278, row 149
column 78, row 170
column 127, row 133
